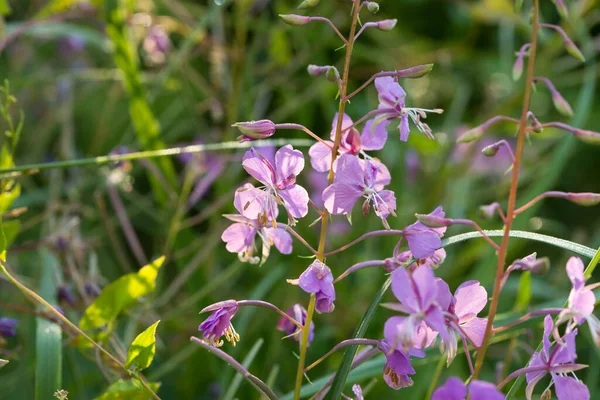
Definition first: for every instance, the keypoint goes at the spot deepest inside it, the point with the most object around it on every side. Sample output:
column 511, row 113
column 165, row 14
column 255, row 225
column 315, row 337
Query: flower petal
column 480, row 390
column 320, row 156
column 575, row 272
column 374, row 137
column 281, row 239
column 295, row 198
column 475, row 330
column 258, row 167
column 471, row 297
column 404, row 128
column 238, row 237
column 288, row 162
column 568, row 388
column 423, row 243
column 453, row 389
column 404, row 290
column 340, row 198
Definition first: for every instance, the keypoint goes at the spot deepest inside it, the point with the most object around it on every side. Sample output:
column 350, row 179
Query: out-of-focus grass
column 237, row 61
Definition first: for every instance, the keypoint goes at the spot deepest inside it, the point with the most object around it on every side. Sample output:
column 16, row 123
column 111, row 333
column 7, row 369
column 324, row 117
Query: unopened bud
column 386, row 24
column 372, row 7
column 562, row 9
column 471, row 135
column 584, row 199
column 332, row 74
column 316, row 70
column 308, row 4
column 561, row 104
column 418, row 71
column 590, row 137
column 533, row 121
column 432, row 221
column 491, row 150
column 294, row 20
column 537, row 266
column 255, row 130
column 518, row 67
column 574, row 50
column 488, row 211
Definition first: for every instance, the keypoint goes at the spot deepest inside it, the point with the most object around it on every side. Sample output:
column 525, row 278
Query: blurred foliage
column 227, row 61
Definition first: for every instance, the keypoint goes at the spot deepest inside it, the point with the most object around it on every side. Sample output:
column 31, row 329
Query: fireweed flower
column 424, row 298
column 552, row 357
column 373, row 137
column 318, row 279
column 397, row 365
column 469, row 299
column 402, row 260
column 289, row 328
column 280, row 180
column 392, row 106
column 8, row 327
column 422, row 240
column 581, row 300
column 455, row 389
column 219, row 323
column 240, row 237
column 352, row 182
column 255, row 130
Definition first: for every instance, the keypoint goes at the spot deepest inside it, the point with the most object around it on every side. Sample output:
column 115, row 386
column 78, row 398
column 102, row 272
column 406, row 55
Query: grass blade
column 237, row 380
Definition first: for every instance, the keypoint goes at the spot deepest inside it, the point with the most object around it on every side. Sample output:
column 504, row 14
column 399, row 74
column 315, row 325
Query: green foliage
column 524, row 292
column 119, row 295
column 127, row 390
column 54, row 7
column 142, row 350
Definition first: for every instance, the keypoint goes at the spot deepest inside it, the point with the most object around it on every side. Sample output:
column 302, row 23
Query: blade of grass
column 237, row 380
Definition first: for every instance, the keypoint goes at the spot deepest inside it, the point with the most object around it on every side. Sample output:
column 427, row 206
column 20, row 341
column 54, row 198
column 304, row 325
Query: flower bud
column 584, row 199
column 491, row 150
column 537, row 266
column 372, row 7
column 295, row 20
column 432, row 221
column 308, row 4
column 386, row 24
column 418, row 71
column 3, row 362
column 561, row 104
column 471, row 135
column 254, row 130
column 517, row 70
column 574, row 50
column 533, row 121
column 590, row 137
column 316, row 70
column 332, row 74
column 488, row 211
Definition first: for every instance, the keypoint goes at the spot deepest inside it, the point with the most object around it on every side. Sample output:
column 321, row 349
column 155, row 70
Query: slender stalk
column 36, row 297
column 540, row 197
column 303, row 129
column 297, row 236
column 510, row 212
column 360, row 265
column 328, row 22
column 386, row 232
column 325, row 218
column 260, row 303
column 341, row 345
column 542, row 312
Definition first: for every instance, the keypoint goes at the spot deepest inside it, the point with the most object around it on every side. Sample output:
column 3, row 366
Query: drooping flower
column 289, row 328
column 372, row 137
column 240, row 237
column 8, row 327
column 318, row 279
column 557, row 359
column 392, row 106
column 352, row 182
column 455, row 389
column 279, row 180
column 422, row 240
column 424, row 298
column 470, row 298
column 397, row 365
column 219, row 323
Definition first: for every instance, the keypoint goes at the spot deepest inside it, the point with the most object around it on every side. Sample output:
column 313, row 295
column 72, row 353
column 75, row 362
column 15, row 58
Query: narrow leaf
column 129, row 390
column 142, row 350
column 237, row 380
column 524, row 293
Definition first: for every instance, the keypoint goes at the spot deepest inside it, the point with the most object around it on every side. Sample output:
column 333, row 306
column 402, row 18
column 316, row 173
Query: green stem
column 197, row 148
column 33, row 295
column 510, row 212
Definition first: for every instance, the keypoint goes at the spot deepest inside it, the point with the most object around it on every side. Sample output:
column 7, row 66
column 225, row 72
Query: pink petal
column 480, row 390
column 374, row 137
column 281, row 239
column 288, row 162
column 340, row 198
column 259, row 168
column 582, row 301
column 536, row 360
column 404, row 290
column 389, row 91
column 404, row 128
column 238, row 237
column 471, row 297
column 475, row 330
column 568, row 388
column 346, row 123
column 453, row 389
column 443, row 295
column 575, row 272
column 423, row 243
column 250, row 201
column 349, row 171
column 386, row 203
column 295, row 198
column 320, row 156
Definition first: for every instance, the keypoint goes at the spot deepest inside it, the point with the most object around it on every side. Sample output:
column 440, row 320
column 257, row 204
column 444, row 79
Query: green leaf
column 142, row 349
column 524, row 292
column 3, row 242
column 48, row 341
column 4, row 7
column 9, row 189
column 121, row 294
column 128, row 390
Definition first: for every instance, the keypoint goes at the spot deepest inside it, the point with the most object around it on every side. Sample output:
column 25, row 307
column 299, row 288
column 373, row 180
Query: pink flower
column 470, row 298
column 352, row 182
column 318, row 279
column 280, row 180
column 424, row 241
column 219, row 323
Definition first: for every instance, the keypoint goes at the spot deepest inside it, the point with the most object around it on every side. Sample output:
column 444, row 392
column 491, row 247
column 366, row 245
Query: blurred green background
column 199, row 66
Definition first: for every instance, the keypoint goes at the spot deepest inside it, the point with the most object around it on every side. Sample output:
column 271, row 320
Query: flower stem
column 510, row 212
column 325, row 218
column 341, row 345
column 36, row 297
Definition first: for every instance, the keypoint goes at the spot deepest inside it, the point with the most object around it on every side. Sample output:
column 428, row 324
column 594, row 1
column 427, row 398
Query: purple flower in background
column 358, row 392
column 157, row 44
column 397, row 365
column 255, row 130
column 455, row 389
column 289, row 328
column 557, row 360
column 219, row 323
column 8, row 327
column 424, row 298
column 422, row 240
column 280, row 180
column 371, row 138
column 352, row 182
column 470, row 298
column 240, row 237
column 404, row 258
column 65, row 294
column 318, row 279
column 92, row 289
